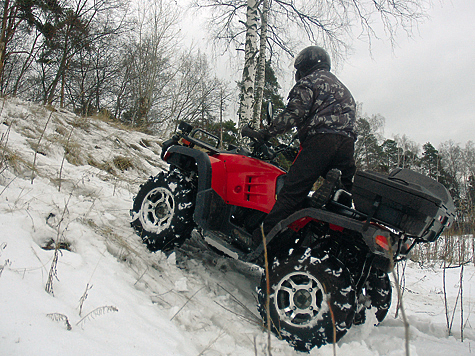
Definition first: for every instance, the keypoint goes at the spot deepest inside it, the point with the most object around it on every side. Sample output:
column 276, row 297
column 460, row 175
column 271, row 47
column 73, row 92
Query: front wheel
column 162, row 213
column 312, row 299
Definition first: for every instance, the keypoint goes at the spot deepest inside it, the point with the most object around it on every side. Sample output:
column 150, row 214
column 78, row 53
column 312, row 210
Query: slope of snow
column 110, row 296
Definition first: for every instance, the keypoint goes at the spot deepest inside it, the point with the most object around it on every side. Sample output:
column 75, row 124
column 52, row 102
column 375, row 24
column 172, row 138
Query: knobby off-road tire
column 305, row 291
column 162, row 213
column 376, row 294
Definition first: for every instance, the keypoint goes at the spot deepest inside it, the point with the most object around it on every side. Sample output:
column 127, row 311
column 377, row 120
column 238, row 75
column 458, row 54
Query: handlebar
column 263, row 150
column 248, row 131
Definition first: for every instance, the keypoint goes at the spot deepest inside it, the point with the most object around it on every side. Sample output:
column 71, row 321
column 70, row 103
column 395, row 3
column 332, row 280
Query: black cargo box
column 405, row 200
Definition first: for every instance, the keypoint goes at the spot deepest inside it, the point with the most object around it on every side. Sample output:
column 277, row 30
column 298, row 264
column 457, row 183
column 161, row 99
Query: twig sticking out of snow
column 3, row 155
column 189, row 299
column 2, row 267
column 400, row 299
column 60, row 317
column 97, row 312
column 333, row 325
column 266, row 262
column 64, row 158
column 211, row 343
column 254, row 319
column 53, row 272
column 84, row 297
column 88, row 288
column 3, row 145
column 33, row 176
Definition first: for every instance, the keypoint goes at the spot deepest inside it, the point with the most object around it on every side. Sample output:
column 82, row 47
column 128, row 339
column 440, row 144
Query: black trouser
column 319, row 154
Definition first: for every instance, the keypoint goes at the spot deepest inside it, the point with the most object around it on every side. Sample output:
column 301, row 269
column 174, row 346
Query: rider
column 323, row 111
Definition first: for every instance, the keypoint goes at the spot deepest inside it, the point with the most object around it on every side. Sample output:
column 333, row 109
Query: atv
column 328, row 263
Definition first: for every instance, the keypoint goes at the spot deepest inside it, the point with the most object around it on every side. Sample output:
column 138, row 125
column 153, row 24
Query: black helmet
column 310, row 58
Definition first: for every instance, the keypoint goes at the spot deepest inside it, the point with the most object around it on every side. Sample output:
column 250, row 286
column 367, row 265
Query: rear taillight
column 382, row 241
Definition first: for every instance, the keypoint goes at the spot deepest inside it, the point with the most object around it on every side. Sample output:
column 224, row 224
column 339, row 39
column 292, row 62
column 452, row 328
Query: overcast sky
column 425, row 88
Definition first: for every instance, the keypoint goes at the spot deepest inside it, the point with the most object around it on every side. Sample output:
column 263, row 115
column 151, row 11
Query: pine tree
column 390, row 155
column 271, row 92
column 430, row 161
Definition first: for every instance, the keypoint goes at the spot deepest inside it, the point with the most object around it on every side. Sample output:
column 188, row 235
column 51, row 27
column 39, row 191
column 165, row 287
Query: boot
column 323, row 195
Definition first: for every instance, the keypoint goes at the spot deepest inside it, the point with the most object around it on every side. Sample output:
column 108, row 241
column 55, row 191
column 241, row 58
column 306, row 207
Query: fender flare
column 188, row 159
column 180, row 157
column 320, row 215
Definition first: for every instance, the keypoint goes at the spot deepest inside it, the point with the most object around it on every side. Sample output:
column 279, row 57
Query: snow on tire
column 162, row 213
column 376, row 294
column 306, row 294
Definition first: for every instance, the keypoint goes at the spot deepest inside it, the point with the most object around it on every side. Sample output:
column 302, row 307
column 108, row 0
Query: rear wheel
column 376, row 294
column 307, row 293
column 162, row 213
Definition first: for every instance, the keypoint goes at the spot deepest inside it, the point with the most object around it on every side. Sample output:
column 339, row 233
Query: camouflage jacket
column 318, row 103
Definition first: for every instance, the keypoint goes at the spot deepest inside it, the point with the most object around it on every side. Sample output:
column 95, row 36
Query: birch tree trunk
column 261, row 66
column 250, row 63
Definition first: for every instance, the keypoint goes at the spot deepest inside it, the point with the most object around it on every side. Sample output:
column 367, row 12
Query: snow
column 111, row 296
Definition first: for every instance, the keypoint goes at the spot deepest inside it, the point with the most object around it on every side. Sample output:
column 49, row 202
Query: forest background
column 128, row 62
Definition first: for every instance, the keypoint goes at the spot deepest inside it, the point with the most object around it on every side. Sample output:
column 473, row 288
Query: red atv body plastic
column 244, row 181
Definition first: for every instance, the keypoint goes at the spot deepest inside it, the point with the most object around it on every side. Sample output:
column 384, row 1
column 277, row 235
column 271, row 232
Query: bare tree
column 368, row 152
column 73, row 33
column 18, row 17
column 408, row 152
column 451, row 153
column 196, row 95
column 224, row 93
column 148, row 63
column 26, row 60
column 92, row 73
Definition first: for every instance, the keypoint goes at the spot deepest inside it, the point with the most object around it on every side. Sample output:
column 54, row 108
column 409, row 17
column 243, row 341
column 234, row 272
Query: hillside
column 69, row 182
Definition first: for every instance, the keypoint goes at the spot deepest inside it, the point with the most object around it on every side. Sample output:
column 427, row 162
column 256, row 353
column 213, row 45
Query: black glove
column 263, row 135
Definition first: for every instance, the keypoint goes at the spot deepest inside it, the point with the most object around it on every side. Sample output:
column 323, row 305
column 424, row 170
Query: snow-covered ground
column 110, row 296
